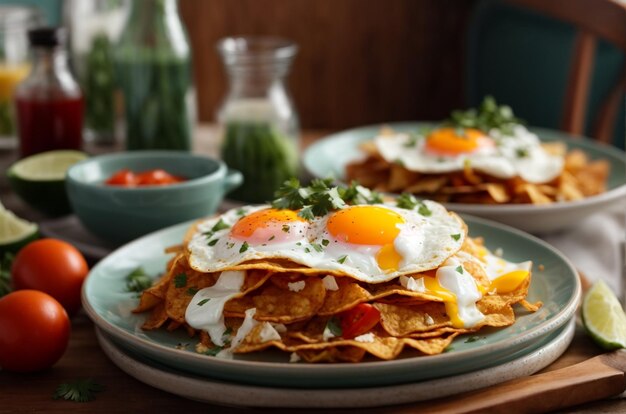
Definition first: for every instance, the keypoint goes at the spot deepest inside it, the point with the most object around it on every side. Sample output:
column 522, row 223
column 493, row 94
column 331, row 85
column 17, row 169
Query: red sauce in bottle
column 46, row 125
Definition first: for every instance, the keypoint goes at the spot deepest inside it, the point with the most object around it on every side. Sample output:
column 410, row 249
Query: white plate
column 229, row 393
column 329, row 156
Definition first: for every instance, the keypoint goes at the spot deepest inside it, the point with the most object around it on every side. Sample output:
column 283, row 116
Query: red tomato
column 34, row 331
column 157, row 177
column 52, row 266
column 358, row 320
column 123, row 177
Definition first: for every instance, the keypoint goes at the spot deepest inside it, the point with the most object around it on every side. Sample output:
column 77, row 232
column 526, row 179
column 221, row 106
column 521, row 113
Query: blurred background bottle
column 15, row 21
column 95, row 27
column 49, row 101
column 153, row 62
column 258, row 121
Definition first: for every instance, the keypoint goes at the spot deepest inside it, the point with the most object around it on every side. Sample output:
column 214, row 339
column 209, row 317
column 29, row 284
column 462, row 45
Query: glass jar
column 95, row 27
column 258, row 122
column 15, row 21
column 153, row 61
column 49, row 101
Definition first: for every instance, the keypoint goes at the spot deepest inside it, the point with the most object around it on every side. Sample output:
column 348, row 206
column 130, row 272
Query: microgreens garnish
column 334, row 326
column 321, row 197
column 137, row 280
column 80, row 390
column 180, row 280
column 243, row 247
column 203, row 301
column 488, row 116
column 5, row 273
column 456, row 237
column 459, row 269
column 342, row 259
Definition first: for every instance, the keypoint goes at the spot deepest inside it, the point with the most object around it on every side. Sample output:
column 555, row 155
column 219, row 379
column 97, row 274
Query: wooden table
column 122, row 393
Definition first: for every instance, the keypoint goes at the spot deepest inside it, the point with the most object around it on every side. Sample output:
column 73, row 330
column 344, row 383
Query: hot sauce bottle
column 49, row 101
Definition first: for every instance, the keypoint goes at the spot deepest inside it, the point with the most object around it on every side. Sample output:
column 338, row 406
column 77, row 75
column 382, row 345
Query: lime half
column 604, row 317
column 15, row 232
column 40, row 179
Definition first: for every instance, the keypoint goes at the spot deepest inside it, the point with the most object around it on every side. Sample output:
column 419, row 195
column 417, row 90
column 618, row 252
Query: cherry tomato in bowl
column 128, row 178
column 34, row 331
column 54, row 267
column 358, row 320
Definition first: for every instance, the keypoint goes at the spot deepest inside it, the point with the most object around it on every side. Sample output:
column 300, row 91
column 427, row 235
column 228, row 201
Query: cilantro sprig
column 409, row 202
column 80, row 390
column 138, row 280
column 488, row 116
column 321, row 197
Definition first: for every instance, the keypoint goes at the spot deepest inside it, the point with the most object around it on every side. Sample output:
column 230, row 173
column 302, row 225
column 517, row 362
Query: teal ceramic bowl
column 119, row 214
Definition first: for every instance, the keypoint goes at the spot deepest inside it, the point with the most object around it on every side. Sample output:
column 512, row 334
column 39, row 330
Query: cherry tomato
column 123, row 177
column 52, row 266
column 358, row 320
column 34, row 331
column 157, row 177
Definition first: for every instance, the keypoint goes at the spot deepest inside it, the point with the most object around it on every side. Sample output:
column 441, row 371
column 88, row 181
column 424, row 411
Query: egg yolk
column 508, row 282
column 269, row 225
column 369, row 225
column 449, row 141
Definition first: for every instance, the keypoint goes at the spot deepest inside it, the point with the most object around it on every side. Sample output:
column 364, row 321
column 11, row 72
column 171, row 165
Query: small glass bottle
column 258, row 122
column 15, row 21
column 95, row 27
column 153, row 62
column 49, row 101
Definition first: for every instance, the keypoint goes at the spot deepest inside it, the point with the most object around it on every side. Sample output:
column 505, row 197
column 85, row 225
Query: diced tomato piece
column 123, row 177
column 157, row 177
column 358, row 320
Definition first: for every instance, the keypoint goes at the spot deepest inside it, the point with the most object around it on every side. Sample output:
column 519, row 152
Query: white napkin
column 596, row 246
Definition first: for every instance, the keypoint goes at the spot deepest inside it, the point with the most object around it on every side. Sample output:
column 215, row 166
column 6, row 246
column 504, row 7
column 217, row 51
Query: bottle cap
column 47, row 36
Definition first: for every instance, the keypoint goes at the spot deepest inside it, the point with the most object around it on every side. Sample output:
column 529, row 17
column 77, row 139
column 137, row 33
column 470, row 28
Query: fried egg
column 451, row 149
column 370, row 243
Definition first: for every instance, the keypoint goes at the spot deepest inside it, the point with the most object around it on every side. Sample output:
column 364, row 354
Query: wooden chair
column 593, row 19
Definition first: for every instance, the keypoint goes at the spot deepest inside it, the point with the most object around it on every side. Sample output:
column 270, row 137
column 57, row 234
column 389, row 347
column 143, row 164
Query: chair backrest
column 599, row 28
column 594, row 19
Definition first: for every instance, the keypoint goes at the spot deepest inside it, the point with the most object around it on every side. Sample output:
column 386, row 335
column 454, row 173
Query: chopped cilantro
column 318, row 248
column 456, row 237
column 272, row 237
column 192, row 291
column 243, row 247
column 241, row 211
column 230, row 245
column 342, row 259
column 471, row 339
column 220, row 225
column 213, row 351
column 406, row 201
column 424, row 210
column 488, row 116
column 212, row 242
column 521, row 152
column 325, row 242
column 203, row 301
column 180, row 280
column 459, row 269
column 307, row 250
column 286, row 228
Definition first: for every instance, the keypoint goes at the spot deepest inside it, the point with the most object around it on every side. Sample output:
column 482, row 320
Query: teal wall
column 522, row 59
column 51, row 9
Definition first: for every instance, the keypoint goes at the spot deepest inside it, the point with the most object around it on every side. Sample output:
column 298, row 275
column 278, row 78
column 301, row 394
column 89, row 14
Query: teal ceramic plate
column 109, row 305
column 329, row 156
column 198, row 388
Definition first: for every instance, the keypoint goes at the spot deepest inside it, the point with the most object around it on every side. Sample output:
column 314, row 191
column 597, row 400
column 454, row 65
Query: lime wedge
column 15, row 232
column 604, row 317
column 40, row 179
